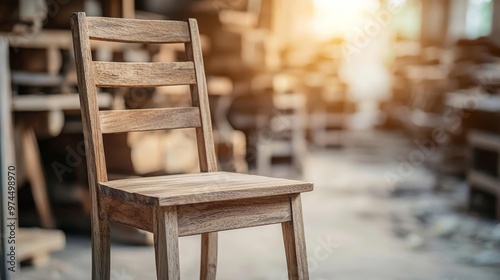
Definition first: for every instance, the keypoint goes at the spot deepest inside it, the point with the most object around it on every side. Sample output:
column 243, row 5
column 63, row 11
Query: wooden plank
column 56, row 102
column 199, row 97
column 200, row 188
column 137, row 31
column 484, row 182
column 166, row 243
column 34, row 242
column 7, row 159
column 295, row 243
column 96, row 165
column 128, row 213
column 225, row 215
column 119, row 74
column 484, row 140
column 60, row 39
column 116, row 121
column 37, row 79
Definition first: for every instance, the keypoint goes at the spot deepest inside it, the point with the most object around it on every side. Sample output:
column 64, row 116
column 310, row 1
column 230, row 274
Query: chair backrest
column 93, row 74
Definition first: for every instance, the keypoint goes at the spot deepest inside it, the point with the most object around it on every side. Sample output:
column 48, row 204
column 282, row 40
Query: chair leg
column 36, row 177
column 208, row 269
column 166, row 238
column 295, row 244
column 100, row 249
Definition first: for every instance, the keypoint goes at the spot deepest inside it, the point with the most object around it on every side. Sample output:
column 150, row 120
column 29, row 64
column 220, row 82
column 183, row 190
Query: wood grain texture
column 295, row 243
column 166, row 243
column 96, row 165
column 101, row 250
column 225, row 215
column 208, row 264
column 204, row 137
column 155, row 74
column 149, row 119
column 200, row 188
column 199, row 98
column 137, row 31
column 128, row 213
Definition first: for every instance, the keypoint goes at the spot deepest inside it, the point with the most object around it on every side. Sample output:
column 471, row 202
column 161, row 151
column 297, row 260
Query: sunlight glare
column 336, row 17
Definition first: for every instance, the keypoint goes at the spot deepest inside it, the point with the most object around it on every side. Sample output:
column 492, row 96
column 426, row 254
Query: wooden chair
column 177, row 205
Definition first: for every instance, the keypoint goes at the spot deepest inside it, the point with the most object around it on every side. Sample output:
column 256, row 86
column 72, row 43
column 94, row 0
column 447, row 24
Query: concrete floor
column 350, row 228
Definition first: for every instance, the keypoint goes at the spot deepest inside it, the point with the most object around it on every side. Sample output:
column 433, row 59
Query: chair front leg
column 208, row 269
column 295, row 244
column 100, row 249
column 166, row 238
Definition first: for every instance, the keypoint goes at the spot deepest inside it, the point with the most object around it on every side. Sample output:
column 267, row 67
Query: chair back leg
column 208, row 268
column 100, row 249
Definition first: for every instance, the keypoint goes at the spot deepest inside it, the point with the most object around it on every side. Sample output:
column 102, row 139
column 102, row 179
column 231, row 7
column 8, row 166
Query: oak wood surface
column 128, row 213
column 137, row 30
column 149, row 119
column 199, row 97
column 295, row 243
column 208, row 265
column 206, row 147
column 166, row 243
column 234, row 214
column 120, row 74
column 200, row 187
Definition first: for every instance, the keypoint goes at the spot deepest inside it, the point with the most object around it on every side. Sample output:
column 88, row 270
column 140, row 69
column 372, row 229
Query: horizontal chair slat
column 117, row 121
column 138, row 31
column 121, row 74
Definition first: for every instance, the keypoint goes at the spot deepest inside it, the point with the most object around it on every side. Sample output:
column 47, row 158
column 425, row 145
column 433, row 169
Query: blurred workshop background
column 390, row 107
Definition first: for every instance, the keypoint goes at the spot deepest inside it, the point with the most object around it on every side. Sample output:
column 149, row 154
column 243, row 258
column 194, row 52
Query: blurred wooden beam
column 119, row 8
column 495, row 29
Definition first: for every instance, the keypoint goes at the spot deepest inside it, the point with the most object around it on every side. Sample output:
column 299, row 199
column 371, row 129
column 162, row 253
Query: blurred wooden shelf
column 484, row 140
column 35, row 245
column 477, row 175
column 53, row 102
column 36, row 79
column 483, row 181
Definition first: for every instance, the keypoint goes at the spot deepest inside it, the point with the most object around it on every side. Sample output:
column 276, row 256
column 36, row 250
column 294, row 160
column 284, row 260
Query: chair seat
column 200, row 187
